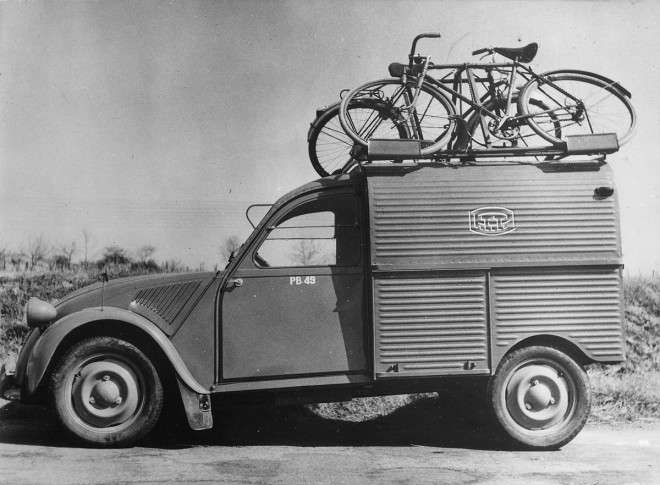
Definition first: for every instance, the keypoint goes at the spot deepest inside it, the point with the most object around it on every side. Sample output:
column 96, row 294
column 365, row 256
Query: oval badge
column 492, row 221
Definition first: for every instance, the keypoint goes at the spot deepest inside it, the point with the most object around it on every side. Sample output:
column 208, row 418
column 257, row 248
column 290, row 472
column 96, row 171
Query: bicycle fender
column 319, row 114
column 613, row 83
column 44, row 350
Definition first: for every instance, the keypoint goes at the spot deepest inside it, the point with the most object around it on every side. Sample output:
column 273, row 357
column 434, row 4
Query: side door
column 295, row 305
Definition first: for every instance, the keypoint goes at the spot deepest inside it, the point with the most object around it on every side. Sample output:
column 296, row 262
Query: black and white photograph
column 329, row 241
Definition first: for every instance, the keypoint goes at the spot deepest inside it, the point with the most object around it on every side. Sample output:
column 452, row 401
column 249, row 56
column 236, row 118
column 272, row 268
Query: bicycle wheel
column 330, row 149
column 430, row 120
column 582, row 103
column 519, row 135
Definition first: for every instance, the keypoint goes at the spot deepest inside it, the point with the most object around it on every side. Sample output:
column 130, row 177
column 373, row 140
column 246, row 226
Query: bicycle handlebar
column 481, row 51
column 429, row 35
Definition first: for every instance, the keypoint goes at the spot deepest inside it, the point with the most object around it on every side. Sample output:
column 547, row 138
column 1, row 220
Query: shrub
column 48, row 286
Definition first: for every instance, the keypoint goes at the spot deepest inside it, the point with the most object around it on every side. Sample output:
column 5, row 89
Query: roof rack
column 598, row 144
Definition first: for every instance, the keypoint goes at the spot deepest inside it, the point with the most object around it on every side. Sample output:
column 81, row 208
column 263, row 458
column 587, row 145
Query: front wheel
column 106, row 392
column 429, row 118
column 540, row 397
column 583, row 104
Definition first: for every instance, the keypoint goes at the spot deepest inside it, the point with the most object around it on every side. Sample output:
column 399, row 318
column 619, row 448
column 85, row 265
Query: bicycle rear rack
column 599, row 144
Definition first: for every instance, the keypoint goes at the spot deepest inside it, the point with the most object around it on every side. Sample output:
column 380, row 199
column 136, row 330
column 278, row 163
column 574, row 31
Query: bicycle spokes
column 593, row 106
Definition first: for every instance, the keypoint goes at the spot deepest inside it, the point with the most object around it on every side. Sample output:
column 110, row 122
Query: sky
column 159, row 123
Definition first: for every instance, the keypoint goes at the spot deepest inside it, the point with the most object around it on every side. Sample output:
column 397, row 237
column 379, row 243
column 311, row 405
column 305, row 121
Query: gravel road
column 261, row 445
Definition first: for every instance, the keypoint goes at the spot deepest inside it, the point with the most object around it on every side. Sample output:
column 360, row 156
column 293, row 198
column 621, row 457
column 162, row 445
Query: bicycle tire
column 431, row 121
column 606, row 108
column 330, row 148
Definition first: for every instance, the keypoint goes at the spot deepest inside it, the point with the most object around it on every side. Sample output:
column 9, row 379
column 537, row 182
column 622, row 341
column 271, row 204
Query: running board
column 600, row 144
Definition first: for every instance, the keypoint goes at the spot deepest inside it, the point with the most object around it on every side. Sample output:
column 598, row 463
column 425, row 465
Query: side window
column 322, row 232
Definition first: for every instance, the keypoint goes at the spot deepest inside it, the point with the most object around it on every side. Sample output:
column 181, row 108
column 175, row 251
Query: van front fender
column 47, row 345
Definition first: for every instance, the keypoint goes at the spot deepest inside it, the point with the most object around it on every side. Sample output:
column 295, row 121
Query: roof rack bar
column 597, row 144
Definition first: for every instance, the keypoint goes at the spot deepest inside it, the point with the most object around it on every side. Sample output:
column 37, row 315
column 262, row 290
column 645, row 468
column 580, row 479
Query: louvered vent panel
column 584, row 307
column 424, row 217
column 430, row 325
column 168, row 300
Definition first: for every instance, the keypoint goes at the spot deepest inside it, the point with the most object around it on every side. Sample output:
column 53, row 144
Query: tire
column 330, row 149
column 595, row 106
column 431, row 121
column 526, row 136
column 540, row 397
column 106, row 392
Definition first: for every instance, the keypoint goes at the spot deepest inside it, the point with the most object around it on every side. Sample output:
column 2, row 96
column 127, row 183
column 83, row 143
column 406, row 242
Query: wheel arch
column 554, row 341
column 111, row 322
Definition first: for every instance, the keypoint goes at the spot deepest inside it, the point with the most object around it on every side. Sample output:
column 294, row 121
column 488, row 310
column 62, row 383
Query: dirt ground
column 421, row 443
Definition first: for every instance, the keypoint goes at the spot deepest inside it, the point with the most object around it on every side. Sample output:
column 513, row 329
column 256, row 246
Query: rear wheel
column 583, row 105
column 106, row 392
column 540, row 397
column 331, row 149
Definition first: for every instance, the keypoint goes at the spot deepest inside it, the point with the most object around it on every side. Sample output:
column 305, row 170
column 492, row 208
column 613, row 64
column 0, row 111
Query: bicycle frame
column 465, row 74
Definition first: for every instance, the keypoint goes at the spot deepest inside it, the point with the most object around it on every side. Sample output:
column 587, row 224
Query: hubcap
column 106, row 393
column 539, row 396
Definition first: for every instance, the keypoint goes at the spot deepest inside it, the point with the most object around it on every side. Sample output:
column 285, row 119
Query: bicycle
column 548, row 107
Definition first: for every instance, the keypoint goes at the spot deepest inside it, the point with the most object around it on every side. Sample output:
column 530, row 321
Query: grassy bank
column 626, row 392
column 631, row 390
column 48, row 286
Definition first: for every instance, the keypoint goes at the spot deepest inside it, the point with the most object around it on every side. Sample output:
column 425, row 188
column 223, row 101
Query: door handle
column 237, row 282
column 603, row 192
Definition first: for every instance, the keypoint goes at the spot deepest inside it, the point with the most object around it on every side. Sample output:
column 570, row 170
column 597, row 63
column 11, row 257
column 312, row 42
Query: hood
column 159, row 297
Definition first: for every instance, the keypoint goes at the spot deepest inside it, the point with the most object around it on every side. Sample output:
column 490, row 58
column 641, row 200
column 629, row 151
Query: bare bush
column 230, row 246
column 37, row 250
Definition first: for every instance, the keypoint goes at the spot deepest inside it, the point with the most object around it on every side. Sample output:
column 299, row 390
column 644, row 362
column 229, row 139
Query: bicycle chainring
column 508, row 131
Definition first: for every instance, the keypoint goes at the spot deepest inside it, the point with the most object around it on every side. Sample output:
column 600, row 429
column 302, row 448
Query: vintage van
column 386, row 280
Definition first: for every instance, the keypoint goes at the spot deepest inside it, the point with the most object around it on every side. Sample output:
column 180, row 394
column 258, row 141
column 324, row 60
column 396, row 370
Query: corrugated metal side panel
column 584, row 307
column 423, row 217
column 430, row 324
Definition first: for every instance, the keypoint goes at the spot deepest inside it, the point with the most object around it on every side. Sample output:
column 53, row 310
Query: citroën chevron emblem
column 492, row 221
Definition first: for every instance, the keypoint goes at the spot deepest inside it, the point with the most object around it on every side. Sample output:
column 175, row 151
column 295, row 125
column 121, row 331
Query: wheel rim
column 106, row 392
column 431, row 121
column 331, row 149
column 599, row 109
column 540, row 396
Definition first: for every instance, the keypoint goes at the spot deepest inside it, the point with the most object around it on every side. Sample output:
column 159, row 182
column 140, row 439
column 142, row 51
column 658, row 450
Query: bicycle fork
column 411, row 103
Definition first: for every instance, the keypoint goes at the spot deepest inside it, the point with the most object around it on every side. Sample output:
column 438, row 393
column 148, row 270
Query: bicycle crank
column 509, row 130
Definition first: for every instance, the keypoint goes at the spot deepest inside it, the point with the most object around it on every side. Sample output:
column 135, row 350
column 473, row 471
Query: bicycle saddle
column 522, row 54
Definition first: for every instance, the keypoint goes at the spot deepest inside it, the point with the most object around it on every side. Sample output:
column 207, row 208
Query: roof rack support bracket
column 601, row 143
column 393, row 149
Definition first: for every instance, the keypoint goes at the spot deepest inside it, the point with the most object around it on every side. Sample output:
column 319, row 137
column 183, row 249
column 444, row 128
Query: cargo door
column 430, row 323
